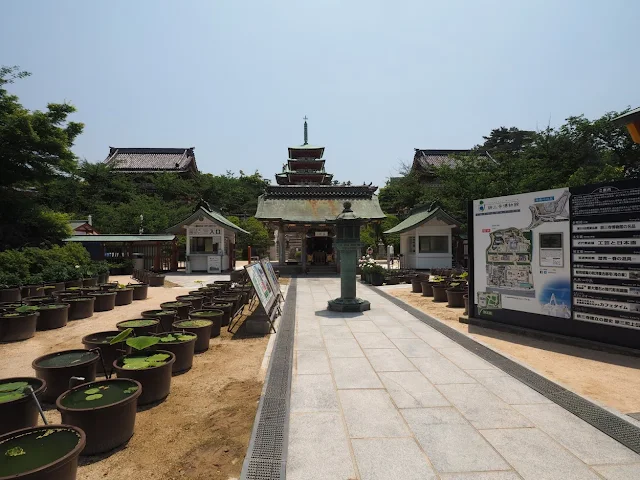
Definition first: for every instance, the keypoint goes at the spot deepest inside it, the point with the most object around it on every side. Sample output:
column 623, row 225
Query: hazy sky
column 376, row 78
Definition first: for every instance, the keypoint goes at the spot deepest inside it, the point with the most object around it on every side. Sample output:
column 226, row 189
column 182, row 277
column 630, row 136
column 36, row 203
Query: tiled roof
column 420, row 215
column 315, row 210
column 319, row 191
column 629, row 117
column 152, row 159
column 436, row 158
column 201, row 213
column 120, row 238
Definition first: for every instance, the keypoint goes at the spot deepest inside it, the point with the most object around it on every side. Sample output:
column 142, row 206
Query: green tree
column 258, row 237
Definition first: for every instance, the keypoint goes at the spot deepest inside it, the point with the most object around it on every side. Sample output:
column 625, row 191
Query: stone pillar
column 282, row 246
column 348, row 243
column 303, row 253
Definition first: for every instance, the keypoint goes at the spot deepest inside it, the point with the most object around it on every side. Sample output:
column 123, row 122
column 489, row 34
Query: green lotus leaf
column 15, row 452
column 10, row 387
column 135, row 360
column 186, row 338
column 123, row 335
column 9, row 396
column 168, row 338
column 158, row 357
column 94, row 397
column 140, row 343
column 92, row 391
column 130, row 390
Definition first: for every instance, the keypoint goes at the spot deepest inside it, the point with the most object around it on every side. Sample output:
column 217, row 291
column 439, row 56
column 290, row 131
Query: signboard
column 322, row 234
column 213, row 264
column 521, row 253
column 261, row 285
column 271, row 276
column 203, row 230
column 605, row 254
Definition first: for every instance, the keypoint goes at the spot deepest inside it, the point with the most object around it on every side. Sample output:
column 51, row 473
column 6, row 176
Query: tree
column 258, row 237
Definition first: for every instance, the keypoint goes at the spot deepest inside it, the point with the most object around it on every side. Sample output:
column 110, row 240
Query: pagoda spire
column 306, row 131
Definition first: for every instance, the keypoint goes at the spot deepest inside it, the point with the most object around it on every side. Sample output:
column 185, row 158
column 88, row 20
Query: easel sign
column 262, row 286
column 273, row 280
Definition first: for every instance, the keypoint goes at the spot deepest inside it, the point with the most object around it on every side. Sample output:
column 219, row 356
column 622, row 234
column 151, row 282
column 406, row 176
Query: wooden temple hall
column 302, row 207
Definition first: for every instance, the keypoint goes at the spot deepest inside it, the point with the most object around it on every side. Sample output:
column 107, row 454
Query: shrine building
column 302, row 208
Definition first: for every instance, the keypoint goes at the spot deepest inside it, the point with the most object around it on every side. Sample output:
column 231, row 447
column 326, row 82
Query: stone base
column 348, row 305
column 257, row 325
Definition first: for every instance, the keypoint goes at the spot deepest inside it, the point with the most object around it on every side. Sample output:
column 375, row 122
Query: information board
column 605, row 253
column 521, row 253
column 271, row 276
column 261, row 284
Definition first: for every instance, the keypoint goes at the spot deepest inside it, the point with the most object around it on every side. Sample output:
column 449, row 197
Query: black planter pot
column 377, row 279
column 16, row 328
column 57, row 377
column 64, row 467
column 155, row 381
column 466, row 303
column 183, row 350
column 226, row 308
column 57, row 287
column 80, row 307
column 73, row 283
column 140, row 290
column 55, row 316
column 108, row 352
column 11, row 294
column 150, row 326
column 103, row 278
column 32, row 291
column 212, row 314
column 166, row 317
column 105, row 301
column 105, row 287
column 21, row 412
column 156, row 280
column 416, row 284
column 90, row 282
column 182, row 308
column 38, row 300
column 439, row 292
column 194, row 300
column 455, row 297
column 124, row 296
column 108, row 426
column 235, row 299
column 427, row 290
column 203, row 332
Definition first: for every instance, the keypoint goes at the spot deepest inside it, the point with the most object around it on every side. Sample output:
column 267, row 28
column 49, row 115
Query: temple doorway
column 320, row 250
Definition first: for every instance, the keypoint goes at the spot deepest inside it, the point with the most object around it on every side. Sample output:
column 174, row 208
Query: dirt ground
column 611, row 379
column 202, row 429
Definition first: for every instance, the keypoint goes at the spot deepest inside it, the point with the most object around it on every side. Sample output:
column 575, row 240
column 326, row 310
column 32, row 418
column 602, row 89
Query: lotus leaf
column 92, row 391
column 10, row 387
column 122, row 336
column 94, row 397
column 9, row 396
column 130, row 390
column 140, row 343
column 195, row 323
column 15, row 452
column 168, row 338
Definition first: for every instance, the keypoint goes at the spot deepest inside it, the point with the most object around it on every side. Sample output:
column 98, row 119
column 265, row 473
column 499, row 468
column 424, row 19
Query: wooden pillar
column 303, row 253
column 282, row 245
column 156, row 258
column 174, row 255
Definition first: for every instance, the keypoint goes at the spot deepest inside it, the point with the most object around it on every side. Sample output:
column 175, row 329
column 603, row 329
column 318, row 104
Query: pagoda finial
column 306, row 131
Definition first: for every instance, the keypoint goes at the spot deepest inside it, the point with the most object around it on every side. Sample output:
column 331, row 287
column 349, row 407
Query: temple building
column 302, row 208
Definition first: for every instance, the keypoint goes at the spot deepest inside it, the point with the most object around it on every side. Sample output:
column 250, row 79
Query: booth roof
column 420, row 215
column 120, row 238
column 212, row 215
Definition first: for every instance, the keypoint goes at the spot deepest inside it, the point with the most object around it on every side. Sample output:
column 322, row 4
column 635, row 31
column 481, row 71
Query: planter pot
column 416, row 284
column 109, row 353
column 364, row 277
column 455, row 297
column 182, row 308
column 53, row 316
column 57, row 287
column 392, row 280
column 155, row 381
column 124, row 296
column 11, row 294
column 90, row 282
column 38, row 300
column 203, row 292
column 377, row 279
column 140, row 290
column 140, row 326
column 156, row 280
column 466, row 303
column 427, row 290
column 103, row 278
column 19, row 327
column 32, row 291
column 226, row 308
column 235, row 299
column 166, row 317
column 245, row 292
column 48, row 456
column 104, row 301
column 10, row 306
column 194, row 300
column 57, row 368
column 439, row 293
column 80, row 307
column 108, row 422
column 182, row 349
column 73, row 283
column 61, row 296
column 105, row 287
column 201, row 328
column 212, row 314
column 21, row 412
column 222, row 284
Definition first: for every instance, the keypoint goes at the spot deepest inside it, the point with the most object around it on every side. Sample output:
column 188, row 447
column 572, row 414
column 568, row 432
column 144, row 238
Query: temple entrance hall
column 320, row 249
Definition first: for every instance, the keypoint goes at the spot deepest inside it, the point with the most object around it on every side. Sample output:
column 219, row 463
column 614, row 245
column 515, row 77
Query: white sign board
column 522, row 253
column 213, row 264
column 271, row 276
column 261, row 285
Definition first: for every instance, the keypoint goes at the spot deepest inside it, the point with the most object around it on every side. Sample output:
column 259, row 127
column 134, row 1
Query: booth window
column 412, row 244
column 434, row 244
column 203, row 245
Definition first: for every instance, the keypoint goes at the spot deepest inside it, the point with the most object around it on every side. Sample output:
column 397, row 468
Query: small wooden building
column 427, row 238
column 210, row 242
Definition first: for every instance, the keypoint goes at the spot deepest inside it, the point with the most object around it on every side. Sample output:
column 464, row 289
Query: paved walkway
column 381, row 395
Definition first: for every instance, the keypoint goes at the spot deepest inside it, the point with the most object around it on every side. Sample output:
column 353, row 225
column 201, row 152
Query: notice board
column 261, row 284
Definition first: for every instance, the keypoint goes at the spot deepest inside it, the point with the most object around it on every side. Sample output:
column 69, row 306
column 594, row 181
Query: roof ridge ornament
column 306, row 131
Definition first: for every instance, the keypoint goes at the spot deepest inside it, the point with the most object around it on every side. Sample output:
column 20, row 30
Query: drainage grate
column 624, row 432
column 266, row 455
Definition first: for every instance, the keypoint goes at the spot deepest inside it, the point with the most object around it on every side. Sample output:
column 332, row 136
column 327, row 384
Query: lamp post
column 348, row 243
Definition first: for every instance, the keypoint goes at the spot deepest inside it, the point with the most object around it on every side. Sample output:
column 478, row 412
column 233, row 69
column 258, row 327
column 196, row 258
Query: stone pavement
column 380, row 395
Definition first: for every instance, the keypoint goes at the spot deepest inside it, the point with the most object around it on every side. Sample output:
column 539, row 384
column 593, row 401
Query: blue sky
column 376, row 78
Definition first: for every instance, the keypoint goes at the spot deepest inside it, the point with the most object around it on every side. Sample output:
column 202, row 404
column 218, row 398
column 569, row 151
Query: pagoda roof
column 319, row 191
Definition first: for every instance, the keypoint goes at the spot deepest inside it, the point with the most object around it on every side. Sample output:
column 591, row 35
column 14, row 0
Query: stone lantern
column 348, row 244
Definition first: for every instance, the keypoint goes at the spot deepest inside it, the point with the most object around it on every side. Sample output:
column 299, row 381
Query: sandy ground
column 201, row 431
column 611, row 379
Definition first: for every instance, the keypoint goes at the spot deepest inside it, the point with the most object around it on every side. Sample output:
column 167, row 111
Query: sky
column 376, row 79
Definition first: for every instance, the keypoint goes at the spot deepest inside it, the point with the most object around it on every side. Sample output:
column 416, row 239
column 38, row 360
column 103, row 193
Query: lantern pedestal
column 348, row 243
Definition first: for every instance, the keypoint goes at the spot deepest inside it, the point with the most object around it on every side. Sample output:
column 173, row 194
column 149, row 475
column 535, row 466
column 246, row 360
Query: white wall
column 427, row 260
